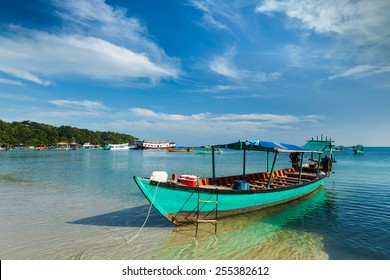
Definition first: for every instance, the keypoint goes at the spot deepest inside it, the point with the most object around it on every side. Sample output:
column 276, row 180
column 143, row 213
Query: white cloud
column 17, row 72
column 268, row 119
column 214, row 14
column 71, row 110
column 88, row 11
column 79, row 104
column 361, row 71
column 219, row 88
column 363, row 20
column 263, row 77
column 98, row 19
column 36, row 54
column 151, row 115
column 225, row 65
column 257, row 117
column 225, row 87
column 98, row 42
column 10, row 82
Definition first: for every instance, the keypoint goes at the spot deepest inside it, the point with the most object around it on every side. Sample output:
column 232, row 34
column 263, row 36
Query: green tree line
column 29, row 133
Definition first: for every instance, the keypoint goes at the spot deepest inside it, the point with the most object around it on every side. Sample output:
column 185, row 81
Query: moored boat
column 358, row 149
column 117, row 147
column 190, row 199
column 89, row 146
column 155, row 145
column 133, row 147
column 181, row 150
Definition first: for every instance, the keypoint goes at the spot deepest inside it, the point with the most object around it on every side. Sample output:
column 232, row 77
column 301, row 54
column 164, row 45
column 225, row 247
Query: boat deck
column 257, row 181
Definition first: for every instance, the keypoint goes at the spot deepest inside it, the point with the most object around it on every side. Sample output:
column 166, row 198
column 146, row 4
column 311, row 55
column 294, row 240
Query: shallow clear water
column 85, row 205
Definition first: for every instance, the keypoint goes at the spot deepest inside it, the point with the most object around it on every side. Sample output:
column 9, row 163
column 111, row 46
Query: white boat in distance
column 115, row 147
column 89, row 146
column 155, row 145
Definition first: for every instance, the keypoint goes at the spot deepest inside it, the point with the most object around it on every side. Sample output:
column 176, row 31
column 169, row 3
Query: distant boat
column 117, row 147
column 358, row 149
column 133, row 147
column 181, row 150
column 61, row 146
column 155, row 145
column 88, row 146
column 190, row 199
column 207, row 151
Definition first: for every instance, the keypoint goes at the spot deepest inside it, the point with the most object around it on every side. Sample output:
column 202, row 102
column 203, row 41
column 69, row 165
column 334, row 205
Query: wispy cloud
column 20, row 98
column 10, row 82
column 362, row 21
column 294, row 56
column 16, row 69
column 70, row 110
column 151, row 115
column 360, row 71
column 98, row 19
column 218, row 88
column 225, row 65
column 214, row 15
column 87, row 105
column 116, row 47
column 355, row 18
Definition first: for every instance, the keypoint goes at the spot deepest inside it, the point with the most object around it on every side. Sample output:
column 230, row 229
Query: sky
column 200, row 72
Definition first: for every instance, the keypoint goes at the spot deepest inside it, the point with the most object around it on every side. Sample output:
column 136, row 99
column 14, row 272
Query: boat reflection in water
column 270, row 233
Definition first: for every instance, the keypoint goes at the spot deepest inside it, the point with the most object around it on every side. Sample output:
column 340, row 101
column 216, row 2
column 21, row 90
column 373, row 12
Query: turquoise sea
column 85, row 205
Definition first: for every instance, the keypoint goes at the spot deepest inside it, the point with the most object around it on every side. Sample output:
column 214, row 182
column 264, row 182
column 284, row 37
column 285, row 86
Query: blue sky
column 200, row 71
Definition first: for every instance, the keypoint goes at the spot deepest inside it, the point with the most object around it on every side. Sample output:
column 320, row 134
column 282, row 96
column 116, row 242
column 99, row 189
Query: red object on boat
column 188, row 180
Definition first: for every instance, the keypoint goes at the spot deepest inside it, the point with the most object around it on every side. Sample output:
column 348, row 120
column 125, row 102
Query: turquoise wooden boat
column 183, row 202
column 358, row 149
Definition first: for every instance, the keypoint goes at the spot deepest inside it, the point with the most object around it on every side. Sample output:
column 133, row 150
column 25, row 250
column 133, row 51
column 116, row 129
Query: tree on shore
column 29, row 133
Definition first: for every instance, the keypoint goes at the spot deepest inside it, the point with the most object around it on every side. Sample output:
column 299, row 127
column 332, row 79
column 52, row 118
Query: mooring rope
column 147, row 216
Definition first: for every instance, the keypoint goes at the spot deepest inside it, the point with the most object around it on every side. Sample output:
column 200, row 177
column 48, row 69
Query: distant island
column 27, row 133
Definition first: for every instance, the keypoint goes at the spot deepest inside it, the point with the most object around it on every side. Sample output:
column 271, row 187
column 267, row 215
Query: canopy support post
column 272, row 169
column 319, row 163
column 300, row 169
column 267, row 161
column 331, row 151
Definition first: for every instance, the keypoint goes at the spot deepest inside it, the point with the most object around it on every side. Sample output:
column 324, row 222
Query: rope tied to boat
column 147, row 216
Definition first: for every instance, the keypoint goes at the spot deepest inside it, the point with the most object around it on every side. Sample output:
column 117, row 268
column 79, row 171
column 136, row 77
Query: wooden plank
column 207, row 221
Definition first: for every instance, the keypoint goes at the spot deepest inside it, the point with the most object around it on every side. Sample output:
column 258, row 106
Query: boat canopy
column 318, row 145
column 267, row 146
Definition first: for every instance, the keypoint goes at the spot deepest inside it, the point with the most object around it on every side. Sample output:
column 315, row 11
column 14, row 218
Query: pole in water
column 244, row 161
column 213, row 159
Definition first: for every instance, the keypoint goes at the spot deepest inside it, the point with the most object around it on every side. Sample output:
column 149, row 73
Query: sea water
column 85, row 205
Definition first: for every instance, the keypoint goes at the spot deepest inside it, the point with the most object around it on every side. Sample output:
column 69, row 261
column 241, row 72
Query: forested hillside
column 36, row 134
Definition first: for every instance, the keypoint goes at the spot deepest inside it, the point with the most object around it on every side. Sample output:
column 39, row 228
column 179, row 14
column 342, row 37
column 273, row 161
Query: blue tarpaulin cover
column 264, row 146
